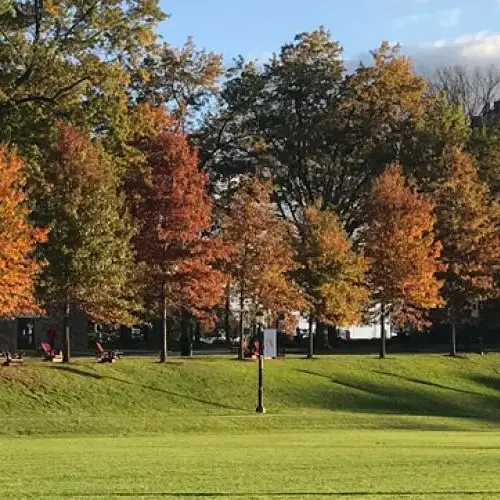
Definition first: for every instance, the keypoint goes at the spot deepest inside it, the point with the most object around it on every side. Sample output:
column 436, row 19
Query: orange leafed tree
column 174, row 214
column 467, row 226
column 18, row 240
column 262, row 257
column 332, row 274
column 402, row 251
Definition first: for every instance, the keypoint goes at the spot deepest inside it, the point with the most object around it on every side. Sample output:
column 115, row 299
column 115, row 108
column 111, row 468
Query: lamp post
column 260, row 384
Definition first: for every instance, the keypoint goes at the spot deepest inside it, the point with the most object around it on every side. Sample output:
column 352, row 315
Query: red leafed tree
column 168, row 199
column 402, row 252
column 17, row 241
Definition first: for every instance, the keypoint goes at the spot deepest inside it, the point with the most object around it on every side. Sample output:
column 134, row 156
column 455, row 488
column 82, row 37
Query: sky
column 433, row 32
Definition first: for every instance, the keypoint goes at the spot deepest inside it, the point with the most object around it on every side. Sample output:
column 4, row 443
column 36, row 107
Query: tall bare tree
column 471, row 88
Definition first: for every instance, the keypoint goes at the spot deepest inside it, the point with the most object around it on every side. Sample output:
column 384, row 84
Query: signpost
column 270, row 343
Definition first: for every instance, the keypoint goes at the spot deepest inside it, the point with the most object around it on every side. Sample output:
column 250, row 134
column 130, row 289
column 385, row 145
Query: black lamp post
column 260, row 385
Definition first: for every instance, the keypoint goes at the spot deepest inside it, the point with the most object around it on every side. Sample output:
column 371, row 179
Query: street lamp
column 260, row 388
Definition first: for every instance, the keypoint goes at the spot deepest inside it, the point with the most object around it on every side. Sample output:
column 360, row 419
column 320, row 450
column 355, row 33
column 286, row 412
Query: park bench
column 50, row 354
column 109, row 356
column 12, row 360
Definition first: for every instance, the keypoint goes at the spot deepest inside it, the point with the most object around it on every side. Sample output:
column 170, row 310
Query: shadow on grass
column 426, row 382
column 76, row 371
column 301, row 494
column 489, row 382
column 365, row 396
column 98, row 376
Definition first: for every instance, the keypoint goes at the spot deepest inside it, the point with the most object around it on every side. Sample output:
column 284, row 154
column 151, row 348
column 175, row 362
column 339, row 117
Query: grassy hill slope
column 139, row 396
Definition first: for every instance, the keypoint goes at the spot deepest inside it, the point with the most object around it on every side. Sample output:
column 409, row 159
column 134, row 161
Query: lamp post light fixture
column 260, row 384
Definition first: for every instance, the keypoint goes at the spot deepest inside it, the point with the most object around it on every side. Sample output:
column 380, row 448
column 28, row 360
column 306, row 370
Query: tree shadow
column 489, row 382
column 364, row 396
column 99, row 376
column 76, row 371
column 427, row 383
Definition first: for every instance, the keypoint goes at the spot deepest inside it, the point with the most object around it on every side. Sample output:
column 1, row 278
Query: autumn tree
column 184, row 79
column 70, row 59
column 18, row 240
column 90, row 264
column 402, row 252
column 168, row 199
column 467, row 227
column 262, row 259
column 318, row 131
column 331, row 273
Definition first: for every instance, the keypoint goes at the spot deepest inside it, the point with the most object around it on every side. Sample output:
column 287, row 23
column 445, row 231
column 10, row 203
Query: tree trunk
column 453, row 340
column 66, row 334
column 227, row 314
column 382, row 332
column 321, row 336
column 241, row 354
column 310, row 354
column 186, row 334
column 164, row 329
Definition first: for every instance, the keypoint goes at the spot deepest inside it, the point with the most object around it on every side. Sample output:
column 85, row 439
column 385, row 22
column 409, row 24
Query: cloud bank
column 478, row 49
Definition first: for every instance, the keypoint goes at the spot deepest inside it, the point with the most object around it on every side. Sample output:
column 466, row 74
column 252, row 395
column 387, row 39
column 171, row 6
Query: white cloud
column 477, row 49
column 474, row 49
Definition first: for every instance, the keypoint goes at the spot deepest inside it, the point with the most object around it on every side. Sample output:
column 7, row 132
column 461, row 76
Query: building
column 489, row 116
column 22, row 334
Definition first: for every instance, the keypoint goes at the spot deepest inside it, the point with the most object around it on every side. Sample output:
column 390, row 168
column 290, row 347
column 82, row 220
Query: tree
column 262, row 259
column 18, row 240
column 315, row 130
column 169, row 202
column 90, row 264
column 402, row 252
column 184, row 79
column 484, row 147
column 467, row 226
column 331, row 273
column 70, row 59
column 471, row 88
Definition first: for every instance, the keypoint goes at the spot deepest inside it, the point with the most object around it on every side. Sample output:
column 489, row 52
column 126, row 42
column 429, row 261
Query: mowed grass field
column 425, row 426
column 327, row 464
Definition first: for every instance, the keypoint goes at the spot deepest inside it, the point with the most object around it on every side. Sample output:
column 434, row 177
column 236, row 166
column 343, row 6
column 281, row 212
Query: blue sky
column 430, row 30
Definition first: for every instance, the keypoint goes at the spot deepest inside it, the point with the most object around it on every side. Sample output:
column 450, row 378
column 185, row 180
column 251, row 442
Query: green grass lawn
column 425, row 426
column 328, row 464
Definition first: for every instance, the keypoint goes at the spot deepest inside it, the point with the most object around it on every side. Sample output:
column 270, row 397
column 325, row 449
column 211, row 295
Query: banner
column 270, row 343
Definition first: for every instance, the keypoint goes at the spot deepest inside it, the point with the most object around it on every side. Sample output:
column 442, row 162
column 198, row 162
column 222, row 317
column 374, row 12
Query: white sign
column 270, row 343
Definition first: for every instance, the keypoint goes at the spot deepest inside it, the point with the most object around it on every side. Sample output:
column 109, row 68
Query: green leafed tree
column 317, row 130
column 185, row 79
column 90, row 265
column 70, row 59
